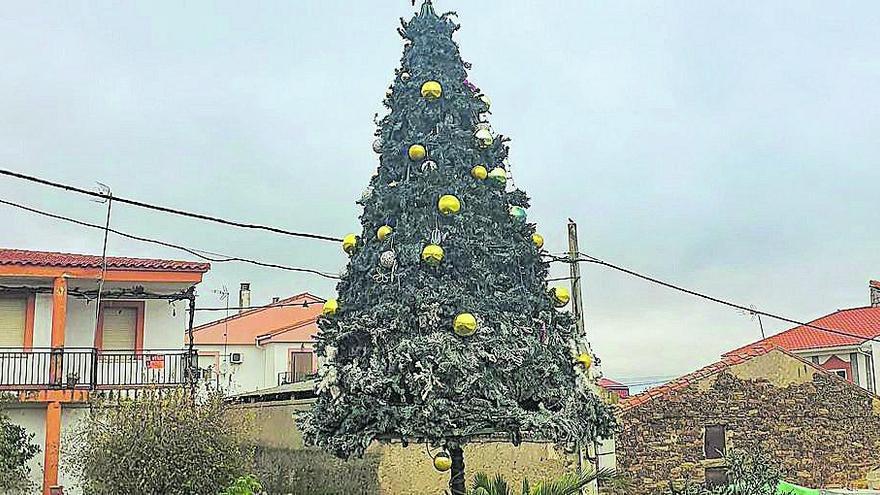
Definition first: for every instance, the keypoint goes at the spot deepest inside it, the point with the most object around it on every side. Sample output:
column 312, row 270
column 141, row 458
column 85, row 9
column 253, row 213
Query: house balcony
column 90, row 369
column 289, row 378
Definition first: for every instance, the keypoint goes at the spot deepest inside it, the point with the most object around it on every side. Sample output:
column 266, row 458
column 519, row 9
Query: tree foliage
column 749, row 472
column 394, row 367
column 160, row 443
column 17, row 448
column 570, row 484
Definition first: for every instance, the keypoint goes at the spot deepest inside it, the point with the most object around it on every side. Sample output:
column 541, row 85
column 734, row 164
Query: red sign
column 156, row 363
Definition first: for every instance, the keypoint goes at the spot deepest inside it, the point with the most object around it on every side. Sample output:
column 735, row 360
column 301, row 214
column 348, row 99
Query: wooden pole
column 577, row 306
column 457, row 476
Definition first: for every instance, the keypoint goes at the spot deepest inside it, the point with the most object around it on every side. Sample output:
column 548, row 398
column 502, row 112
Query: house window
column 13, row 316
column 301, row 365
column 715, row 442
column 716, row 477
column 120, row 326
column 840, row 373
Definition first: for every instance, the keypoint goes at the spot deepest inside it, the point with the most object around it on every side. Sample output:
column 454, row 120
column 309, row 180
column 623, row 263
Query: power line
column 164, row 209
column 597, row 261
column 201, row 254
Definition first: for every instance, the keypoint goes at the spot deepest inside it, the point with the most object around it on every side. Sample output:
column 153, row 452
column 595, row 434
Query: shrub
column 314, row 472
column 16, row 450
column 749, row 472
column 160, row 443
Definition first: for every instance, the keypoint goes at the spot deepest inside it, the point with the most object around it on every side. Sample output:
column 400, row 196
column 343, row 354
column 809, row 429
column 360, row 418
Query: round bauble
column 330, row 307
column 485, row 99
column 417, row 152
column 432, row 254
column 518, row 213
column 449, row 205
column 465, row 325
column 432, row 90
column 585, row 360
column 388, row 259
column 378, row 144
column 561, row 297
column 498, row 175
column 484, row 136
column 405, row 77
column 442, row 462
column 349, row 244
column 384, row 232
column 538, row 240
column 479, row 172
column 429, row 166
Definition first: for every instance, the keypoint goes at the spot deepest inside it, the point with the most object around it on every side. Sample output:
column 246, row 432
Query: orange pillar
column 53, row 446
column 59, row 312
column 53, row 409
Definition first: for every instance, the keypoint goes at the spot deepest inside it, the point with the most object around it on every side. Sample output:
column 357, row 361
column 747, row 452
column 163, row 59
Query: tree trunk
column 457, row 479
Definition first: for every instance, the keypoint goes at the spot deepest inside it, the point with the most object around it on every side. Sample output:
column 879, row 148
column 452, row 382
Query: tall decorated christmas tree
column 445, row 331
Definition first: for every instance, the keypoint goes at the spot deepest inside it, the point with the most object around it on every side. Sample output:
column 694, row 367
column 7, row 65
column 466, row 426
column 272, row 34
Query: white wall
column 236, row 378
column 33, row 419
column 165, row 325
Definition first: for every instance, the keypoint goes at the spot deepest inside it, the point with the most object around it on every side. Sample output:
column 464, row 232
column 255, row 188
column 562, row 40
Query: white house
column 59, row 345
column 263, row 347
column 846, row 342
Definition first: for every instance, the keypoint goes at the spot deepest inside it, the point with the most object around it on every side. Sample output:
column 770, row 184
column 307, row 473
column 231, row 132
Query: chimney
column 276, row 300
column 244, row 297
column 875, row 293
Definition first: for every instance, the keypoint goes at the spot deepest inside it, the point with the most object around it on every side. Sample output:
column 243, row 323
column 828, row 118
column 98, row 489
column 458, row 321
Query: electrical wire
column 201, row 254
column 165, row 209
column 591, row 259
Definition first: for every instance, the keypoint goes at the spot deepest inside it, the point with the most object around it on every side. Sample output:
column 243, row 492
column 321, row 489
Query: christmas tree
column 445, row 331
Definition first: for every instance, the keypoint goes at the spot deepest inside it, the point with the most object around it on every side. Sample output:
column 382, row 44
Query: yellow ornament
column 349, row 244
column 479, row 172
column 465, row 325
column 484, row 138
column 330, row 307
column 442, row 462
column 383, row 232
column 417, row 152
column 432, row 90
column 432, row 254
column 561, row 296
column 585, row 360
column 449, row 205
column 538, row 240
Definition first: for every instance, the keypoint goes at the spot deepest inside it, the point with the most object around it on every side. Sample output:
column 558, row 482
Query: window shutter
column 120, row 325
column 715, row 442
column 302, row 365
column 12, row 320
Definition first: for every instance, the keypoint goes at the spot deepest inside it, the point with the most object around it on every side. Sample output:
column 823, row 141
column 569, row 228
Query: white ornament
column 429, row 166
column 378, row 144
column 388, row 259
column 405, row 77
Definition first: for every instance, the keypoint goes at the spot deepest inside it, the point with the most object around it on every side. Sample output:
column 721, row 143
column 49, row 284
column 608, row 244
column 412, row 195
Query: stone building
column 824, row 431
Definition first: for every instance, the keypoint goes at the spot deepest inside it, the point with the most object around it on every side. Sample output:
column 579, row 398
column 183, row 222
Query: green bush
column 749, row 472
column 314, row 472
column 160, row 443
column 16, row 450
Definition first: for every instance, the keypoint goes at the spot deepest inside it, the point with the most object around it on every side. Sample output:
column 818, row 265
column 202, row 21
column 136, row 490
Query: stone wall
column 394, row 469
column 824, row 431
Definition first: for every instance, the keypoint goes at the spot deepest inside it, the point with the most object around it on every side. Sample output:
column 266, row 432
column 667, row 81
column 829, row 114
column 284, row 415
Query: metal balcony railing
column 92, row 369
column 287, row 377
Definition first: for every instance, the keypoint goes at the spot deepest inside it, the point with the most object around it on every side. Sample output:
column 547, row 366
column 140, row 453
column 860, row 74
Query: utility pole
column 577, row 308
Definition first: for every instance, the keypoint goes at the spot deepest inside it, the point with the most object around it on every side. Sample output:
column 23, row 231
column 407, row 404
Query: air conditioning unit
column 235, row 358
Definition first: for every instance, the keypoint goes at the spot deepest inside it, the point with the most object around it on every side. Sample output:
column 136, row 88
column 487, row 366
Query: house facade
column 62, row 343
column 823, row 430
column 852, row 353
column 261, row 348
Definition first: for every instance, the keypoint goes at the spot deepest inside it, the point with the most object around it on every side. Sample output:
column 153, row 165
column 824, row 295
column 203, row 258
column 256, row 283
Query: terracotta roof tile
column 19, row 257
column 862, row 323
column 737, row 357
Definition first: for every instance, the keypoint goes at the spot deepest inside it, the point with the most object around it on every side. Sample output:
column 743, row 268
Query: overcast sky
column 731, row 147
